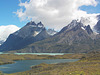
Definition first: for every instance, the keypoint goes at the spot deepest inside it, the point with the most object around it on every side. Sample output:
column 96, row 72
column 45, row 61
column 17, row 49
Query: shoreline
column 87, row 65
column 11, row 58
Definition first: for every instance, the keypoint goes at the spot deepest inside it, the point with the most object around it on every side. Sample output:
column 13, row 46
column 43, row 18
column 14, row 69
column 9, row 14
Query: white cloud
column 5, row 31
column 89, row 19
column 54, row 13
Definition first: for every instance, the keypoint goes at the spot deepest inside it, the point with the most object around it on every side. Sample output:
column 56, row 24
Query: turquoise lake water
column 38, row 53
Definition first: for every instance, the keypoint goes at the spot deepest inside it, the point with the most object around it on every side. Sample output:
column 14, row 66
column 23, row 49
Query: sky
column 7, row 15
column 53, row 13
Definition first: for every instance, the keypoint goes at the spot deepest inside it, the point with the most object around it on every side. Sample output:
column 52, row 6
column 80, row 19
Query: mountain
column 74, row 38
column 97, row 26
column 28, row 34
column 98, row 16
column 5, row 31
column 51, row 32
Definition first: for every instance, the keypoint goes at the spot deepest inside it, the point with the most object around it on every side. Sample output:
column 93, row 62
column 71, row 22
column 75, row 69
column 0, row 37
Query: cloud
column 5, row 31
column 54, row 13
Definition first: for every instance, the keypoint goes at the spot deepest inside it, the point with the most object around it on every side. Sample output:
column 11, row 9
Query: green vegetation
column 2, row 73
column 89, row 64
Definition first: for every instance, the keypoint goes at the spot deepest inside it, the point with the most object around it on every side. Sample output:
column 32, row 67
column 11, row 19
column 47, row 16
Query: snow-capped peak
column 40, row 25
column 31, row 28
column 91, row 20
column 73, row 24
column 83, row 28
column 51, row 31
column 31, row 23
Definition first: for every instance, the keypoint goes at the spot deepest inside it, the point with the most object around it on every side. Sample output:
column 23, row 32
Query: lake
column 37, row 53
column 25, row 65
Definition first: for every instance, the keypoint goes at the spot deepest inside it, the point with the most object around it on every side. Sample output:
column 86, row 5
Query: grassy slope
column 88, row 65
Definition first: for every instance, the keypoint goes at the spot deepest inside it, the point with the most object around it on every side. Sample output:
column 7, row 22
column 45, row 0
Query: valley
column 88, row 64
column 79, row 44
column 50, row 37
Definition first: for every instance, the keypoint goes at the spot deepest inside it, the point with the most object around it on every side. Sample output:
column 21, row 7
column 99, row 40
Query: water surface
column 25, row 65
column 37, row 53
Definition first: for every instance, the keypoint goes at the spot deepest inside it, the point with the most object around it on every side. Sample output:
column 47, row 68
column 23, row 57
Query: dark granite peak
column 88, row 29
column 31, row 23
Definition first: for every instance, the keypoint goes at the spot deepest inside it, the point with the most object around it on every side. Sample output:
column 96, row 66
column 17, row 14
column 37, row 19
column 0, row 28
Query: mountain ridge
column 28, row 34
column 73, row 38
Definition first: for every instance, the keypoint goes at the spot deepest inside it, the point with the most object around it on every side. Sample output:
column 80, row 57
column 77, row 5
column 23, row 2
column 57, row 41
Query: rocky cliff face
column 75, row 31
column 97, row 27
column 74, row 38
column 28, row 34
column 30, row 29
column 98, row 16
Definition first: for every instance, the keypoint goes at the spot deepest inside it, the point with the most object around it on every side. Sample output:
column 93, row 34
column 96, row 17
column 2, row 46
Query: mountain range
column 34, row 38
column 28, row 34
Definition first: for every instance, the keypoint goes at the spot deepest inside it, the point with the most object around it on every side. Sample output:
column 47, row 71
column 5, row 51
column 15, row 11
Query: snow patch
column 33, row 25
column 36, row 33
column 83, row 28
column 40, row 26
column 51, row 32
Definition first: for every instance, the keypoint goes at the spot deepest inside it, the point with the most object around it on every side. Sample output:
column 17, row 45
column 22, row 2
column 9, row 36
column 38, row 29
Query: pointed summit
column 28, row 34
column 40, row 25
column 40, row 22
column 70, row 26
column 31, row 23
column 74, row 23
column 88, row 29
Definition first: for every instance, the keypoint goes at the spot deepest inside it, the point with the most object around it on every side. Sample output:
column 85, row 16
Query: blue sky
column 91, row 9
column 7, row 16
column 7, row 7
